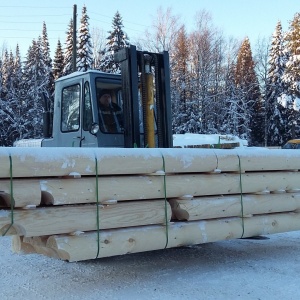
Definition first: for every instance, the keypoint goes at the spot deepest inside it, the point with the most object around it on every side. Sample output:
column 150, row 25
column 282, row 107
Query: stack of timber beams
column 76, row 204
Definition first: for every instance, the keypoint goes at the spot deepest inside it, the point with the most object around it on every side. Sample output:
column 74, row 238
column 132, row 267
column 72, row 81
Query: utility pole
column 74, row 52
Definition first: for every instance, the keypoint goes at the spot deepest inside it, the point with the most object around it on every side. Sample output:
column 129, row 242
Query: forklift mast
column 148, row 73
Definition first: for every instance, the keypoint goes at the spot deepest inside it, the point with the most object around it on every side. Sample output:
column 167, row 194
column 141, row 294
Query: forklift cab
column 78, row 119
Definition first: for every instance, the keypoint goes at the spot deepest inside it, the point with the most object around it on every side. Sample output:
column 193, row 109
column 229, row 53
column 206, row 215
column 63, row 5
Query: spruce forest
column 219, row 85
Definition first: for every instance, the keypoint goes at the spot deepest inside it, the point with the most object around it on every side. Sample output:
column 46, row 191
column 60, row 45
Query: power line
column 39, row 7
column 16, row 37
column 15, row 29
column 37, row 22
column 31, row 16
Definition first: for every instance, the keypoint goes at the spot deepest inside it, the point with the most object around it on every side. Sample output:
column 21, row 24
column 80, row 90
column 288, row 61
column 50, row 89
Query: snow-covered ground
column 237, row 269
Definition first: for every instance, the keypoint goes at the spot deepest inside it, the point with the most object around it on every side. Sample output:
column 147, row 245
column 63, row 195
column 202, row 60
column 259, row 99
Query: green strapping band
column 12, row 202
column 241, row 189
column 166, row 209
column 97, row 205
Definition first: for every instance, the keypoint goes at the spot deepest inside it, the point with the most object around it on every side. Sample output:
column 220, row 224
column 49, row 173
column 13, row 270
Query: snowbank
column 193, row 139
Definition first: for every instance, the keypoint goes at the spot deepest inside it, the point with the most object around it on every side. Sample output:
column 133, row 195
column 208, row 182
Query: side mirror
column 94, row 128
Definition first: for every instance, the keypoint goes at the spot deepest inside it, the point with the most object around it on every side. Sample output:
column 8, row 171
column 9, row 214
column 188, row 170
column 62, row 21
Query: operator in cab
column 110, row 113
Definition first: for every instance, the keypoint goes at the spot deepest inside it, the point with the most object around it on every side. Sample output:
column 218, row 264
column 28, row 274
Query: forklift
column 141, row 92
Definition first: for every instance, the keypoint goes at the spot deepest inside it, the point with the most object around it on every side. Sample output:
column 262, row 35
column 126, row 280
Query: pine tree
column 232, row 117
column 37, row 83
column 292, row 70
column 6, row 70
column 12, row 108
column 3, row 115
column 49, row 78
column 68, row 53
column 275, row 88
column 84, row 49
column 6, row 107
column 116, row 40
column 291, row 76
column 58, row 62
column 18, row 72
column 250, row 106
column 18, row 97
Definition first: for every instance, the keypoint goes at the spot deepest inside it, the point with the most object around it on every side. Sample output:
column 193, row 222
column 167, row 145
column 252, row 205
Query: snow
column 297, row 104
column 237, row 269
column 28, row 143
column 181, row 140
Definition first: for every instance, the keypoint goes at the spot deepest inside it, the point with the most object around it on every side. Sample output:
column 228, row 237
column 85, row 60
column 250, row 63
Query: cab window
column 70, row 117
column 87, row 108
column 110, row 107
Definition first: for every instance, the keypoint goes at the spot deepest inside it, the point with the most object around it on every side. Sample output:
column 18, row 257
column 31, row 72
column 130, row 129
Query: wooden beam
column 257, row 159
column 68, row 219
column 47, row 162
column 214, row 207
column 152, row 187
column 121, row 188
column 25, row 192
column 21, row 248
column 35, row 245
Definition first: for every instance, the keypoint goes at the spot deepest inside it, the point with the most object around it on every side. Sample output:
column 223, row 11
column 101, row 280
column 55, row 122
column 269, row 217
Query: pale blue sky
column 21, row 20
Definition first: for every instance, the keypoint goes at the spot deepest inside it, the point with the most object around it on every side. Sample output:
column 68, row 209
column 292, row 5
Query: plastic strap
column 97, row 205
column 241, row 190
column 166, row 210
column 12, row 202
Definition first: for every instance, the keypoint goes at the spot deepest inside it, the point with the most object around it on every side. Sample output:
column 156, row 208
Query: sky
column 21, row 20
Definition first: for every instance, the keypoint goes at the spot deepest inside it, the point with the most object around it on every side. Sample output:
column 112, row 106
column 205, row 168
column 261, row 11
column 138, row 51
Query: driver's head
column 105, row 97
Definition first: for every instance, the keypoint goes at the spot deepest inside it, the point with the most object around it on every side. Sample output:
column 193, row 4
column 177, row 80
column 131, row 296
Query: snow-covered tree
column 250, row 106
column 84, row 49
column 6, row 113
column 68, row 52
column 99, row 41
column 227, row 110
column 291, row 77
column 37, row 83
column 13, row 107
column 231, row 115
column 180, row 82
column 17, row 70
column 275, row 124
column 58, row 62
column 261, row 58
column 18, row 99
column 6, row 70
column 206, row 65
column 292, row 70
column 49, row 77
column 116, row 40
